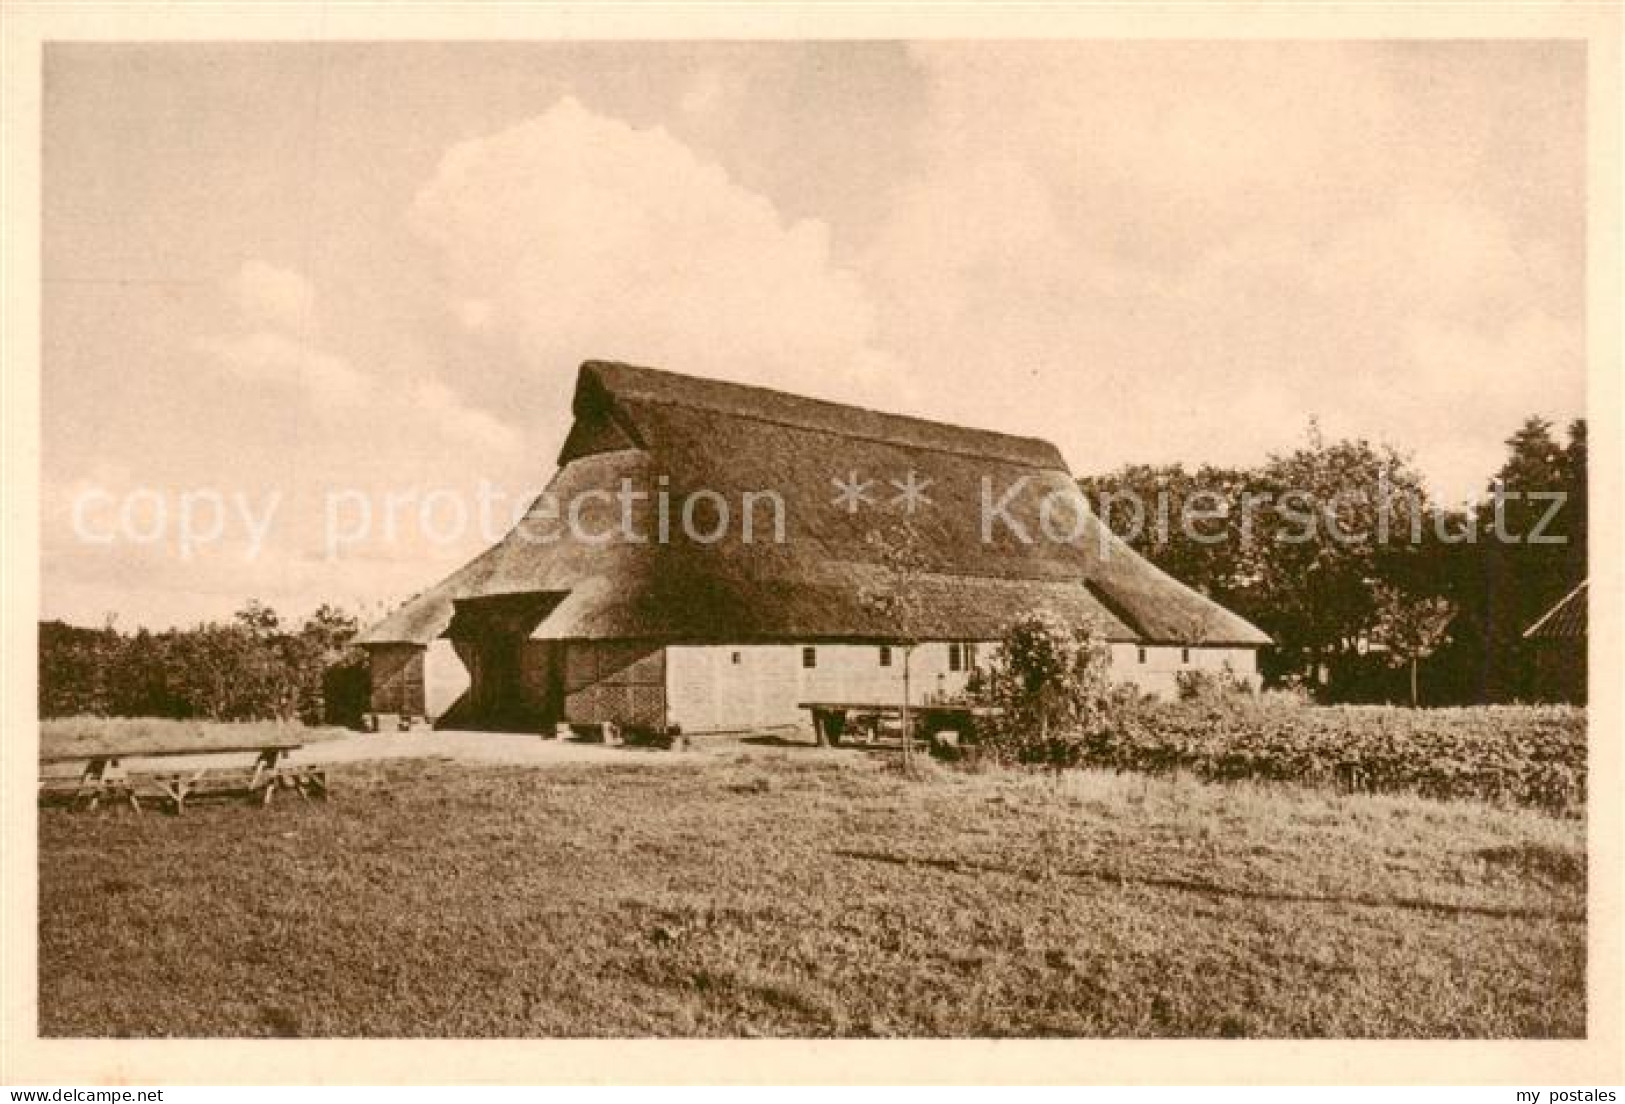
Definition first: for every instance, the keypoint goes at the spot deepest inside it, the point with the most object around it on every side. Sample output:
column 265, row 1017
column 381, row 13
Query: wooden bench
column 395, row 722
column 255, row 784
column 104, row 776
column 100, row 778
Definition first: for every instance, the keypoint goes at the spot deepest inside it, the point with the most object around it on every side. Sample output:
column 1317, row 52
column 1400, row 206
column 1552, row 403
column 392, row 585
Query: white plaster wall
column 1163, row 662
column 708, row 690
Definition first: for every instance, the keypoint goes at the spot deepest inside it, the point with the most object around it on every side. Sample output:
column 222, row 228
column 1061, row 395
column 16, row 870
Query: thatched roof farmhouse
column 758, row 601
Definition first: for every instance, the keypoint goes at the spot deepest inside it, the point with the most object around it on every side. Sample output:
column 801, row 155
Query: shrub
column 247, row 669
column 1198, row 683
column 1049, row 683
column 1530, row 755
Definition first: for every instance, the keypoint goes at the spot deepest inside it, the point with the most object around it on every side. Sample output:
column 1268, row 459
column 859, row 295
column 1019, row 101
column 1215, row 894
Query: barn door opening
column 514, row 682
column 496, row 672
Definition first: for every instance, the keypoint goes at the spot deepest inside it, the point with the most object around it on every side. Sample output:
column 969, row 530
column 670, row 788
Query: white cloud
column 278, row 298
column 585, row 237
column 330, row 381
column 458, row 422
column 1479, row 375
column 474, row 314
column 1141, row 251
column 1186, row 250
column 1166, row 146
column 416, row 408
column 705, row 92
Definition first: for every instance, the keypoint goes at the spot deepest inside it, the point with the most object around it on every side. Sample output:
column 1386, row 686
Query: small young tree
column 1050, row 686
column 1410, row 627
column 895, row 597
column 258, row 618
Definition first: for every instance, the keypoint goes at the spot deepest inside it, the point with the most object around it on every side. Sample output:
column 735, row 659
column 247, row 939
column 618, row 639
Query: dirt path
column 484, row 747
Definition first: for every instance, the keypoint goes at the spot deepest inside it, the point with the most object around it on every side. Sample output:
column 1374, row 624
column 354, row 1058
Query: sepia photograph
column 750, row 538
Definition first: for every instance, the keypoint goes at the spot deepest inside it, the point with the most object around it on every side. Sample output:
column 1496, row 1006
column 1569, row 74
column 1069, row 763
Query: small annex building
column 1560, row 654
column 705, row 559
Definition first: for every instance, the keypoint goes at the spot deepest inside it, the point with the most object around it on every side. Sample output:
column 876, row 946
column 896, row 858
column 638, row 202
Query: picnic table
column 103, row 774
column 830, row 719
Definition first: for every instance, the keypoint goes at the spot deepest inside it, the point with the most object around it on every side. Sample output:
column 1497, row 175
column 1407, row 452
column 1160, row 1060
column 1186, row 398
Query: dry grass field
column 132, row 735
column 806, row 893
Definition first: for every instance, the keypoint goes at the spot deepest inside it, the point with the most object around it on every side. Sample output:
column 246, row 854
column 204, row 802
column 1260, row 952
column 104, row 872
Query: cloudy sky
column 308, row 277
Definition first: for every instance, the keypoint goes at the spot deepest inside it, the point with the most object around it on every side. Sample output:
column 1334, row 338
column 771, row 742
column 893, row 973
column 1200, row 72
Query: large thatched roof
column 680, row 434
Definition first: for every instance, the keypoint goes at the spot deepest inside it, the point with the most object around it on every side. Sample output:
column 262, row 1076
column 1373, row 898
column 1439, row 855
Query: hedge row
column 1530, row 755
column 247, row 669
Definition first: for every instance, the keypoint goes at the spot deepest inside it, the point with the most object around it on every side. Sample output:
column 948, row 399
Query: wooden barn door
column 541, row 679
column 496, row 684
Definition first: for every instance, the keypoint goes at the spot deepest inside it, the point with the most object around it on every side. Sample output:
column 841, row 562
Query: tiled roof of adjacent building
column 1564, row 621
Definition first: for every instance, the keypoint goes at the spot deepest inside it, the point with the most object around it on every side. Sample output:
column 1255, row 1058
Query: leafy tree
column 74, row 669
column 1574, row 482
column 1410, row 628
column 330, row 630
column 1191, row 524
column 895, row 597
column 334, row 689
column 1529, row 550
column 248, row 668
column 1279, row 562
column 1293, row 544
column 1341, row 514
column 258, row 618
column 140, row 679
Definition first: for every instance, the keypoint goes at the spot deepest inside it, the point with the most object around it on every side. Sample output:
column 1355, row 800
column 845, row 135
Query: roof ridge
column 875, row 438
column 606, row 371
column 1069, row 579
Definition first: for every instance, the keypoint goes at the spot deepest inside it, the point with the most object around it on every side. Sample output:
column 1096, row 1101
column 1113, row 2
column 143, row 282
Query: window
column 1184, row 655
column 885, row 655
column 1142, row 655
column 956, row 658
column 736, row 659
column 809, row 657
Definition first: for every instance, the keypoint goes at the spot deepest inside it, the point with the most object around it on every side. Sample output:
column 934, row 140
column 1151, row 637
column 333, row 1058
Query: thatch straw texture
column 679, row 435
